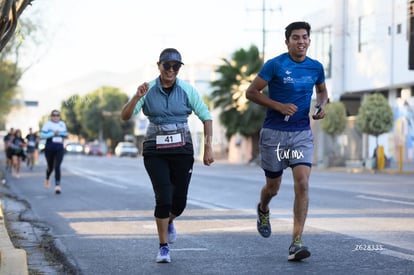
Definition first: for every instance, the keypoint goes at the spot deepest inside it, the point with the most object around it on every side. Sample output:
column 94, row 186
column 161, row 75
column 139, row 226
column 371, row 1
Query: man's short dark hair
column 297, row 26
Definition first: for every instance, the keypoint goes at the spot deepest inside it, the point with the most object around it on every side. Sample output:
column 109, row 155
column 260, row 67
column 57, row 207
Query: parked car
column 125, row 148
column 95, row 149
column 74, row 148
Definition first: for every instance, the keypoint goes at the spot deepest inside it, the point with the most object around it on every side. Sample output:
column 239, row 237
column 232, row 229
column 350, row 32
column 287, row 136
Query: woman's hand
column 208, row 155
column 142, row 89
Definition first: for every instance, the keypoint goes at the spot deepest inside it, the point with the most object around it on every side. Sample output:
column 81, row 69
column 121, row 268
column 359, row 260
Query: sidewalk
column 12, row 261
column 406, row 169
column 390, row 171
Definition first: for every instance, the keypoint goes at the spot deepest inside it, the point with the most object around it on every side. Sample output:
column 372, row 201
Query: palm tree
column 238, row 114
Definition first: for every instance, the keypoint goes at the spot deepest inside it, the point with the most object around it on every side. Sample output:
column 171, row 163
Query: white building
column 367, row 46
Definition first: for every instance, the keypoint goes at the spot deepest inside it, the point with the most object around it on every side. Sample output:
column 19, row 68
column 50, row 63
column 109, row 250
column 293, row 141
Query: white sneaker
column 164, row 255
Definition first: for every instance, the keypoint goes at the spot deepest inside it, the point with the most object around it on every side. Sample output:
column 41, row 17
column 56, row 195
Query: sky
column 84, row 36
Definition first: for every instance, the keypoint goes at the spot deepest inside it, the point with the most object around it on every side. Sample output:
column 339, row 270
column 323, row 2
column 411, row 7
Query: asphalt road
column 103, row 223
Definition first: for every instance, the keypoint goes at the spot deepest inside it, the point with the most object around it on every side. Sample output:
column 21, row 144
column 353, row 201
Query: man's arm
column 254, row 94
column 321, row 100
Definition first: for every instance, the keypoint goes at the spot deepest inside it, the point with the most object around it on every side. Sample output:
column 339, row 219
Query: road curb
column 12, row 260
column 363, row 170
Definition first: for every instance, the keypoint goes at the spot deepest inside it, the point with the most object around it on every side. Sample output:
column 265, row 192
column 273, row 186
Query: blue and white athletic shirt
column 54, row 143
column 291, row 82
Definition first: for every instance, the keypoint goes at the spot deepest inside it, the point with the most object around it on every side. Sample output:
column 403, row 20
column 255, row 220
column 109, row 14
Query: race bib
column 57, row 139
column 31, row 143
column 170, row 139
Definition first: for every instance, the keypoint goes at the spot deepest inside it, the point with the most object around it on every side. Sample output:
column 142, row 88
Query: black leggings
column 170, row 176
column 54, row 159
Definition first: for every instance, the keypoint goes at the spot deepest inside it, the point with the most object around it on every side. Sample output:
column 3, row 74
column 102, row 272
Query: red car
column 94, row 149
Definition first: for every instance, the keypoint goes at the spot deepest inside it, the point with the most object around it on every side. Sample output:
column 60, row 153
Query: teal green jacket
column 174, row 107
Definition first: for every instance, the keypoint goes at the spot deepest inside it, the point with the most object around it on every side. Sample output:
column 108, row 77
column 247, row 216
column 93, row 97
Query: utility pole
column 264, row 10
column 263, row 28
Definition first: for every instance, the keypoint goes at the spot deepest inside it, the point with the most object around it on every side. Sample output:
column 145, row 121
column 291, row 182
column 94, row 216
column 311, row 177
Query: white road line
column 397, row 254
column 230, row 229
column 384, row 200
column 188, row 249
column 201, row 204
column 92, row 177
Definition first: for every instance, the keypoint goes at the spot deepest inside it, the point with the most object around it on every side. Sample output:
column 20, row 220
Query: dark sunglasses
column 167, row 66
column 55, row 115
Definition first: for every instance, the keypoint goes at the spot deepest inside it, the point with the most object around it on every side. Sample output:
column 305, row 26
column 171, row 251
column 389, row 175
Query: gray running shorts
column 281, row 149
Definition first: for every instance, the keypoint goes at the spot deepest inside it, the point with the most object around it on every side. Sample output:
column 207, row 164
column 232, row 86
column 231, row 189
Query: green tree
column 375, row 116
column 43, row 120
column 238, row 114
column 334, row 124
column 70, row 117
column 9, row 77
column 99, row 115
column 10, row 72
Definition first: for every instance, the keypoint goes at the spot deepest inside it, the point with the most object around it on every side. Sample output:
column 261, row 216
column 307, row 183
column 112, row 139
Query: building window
column 410, row 34
column 366, row 31
column 399, row 28
column 322, row 48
